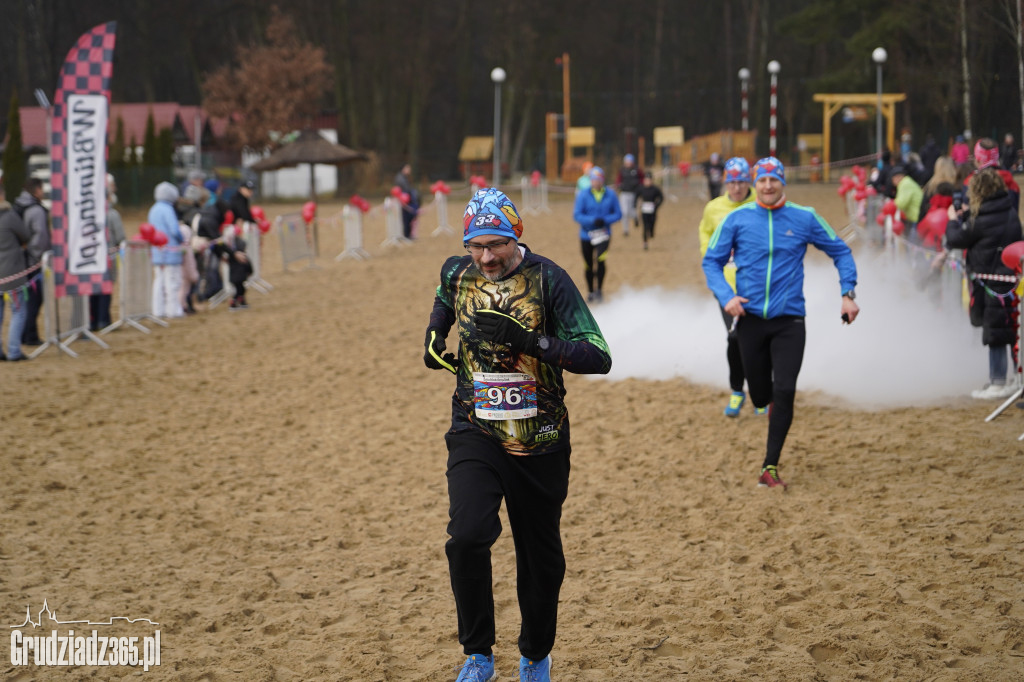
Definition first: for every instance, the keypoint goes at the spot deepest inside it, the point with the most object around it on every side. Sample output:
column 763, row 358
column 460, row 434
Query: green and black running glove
column 435, row 346
column 498, row 327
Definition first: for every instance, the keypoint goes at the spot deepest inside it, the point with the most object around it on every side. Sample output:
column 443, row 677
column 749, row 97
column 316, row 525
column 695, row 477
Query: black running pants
column 772, row 352
column 481, row 473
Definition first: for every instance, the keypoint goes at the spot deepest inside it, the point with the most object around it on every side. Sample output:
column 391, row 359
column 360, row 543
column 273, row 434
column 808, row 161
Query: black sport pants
column 732, row 354
column 593, row 253
column 481, row 473
column 772, row 352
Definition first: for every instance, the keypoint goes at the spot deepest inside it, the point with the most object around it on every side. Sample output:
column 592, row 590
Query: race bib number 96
column 504, row 395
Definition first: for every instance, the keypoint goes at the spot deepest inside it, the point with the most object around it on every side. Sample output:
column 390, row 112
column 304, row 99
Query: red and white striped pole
column 773, row 69
column 744, row 80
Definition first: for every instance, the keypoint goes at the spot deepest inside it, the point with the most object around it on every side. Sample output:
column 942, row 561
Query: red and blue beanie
column 770, row 167
column 490, row 212
column 737, row 170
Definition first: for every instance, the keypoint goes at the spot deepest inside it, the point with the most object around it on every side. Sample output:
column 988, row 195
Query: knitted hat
column 490, row 212
column 985, row 158
column 770, row 167
column 737, row 170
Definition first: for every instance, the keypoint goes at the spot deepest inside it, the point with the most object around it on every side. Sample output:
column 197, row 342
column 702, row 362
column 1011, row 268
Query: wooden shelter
column 833, row 103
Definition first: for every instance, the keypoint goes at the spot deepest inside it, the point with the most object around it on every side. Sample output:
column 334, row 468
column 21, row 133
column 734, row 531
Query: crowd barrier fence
column 351, row 219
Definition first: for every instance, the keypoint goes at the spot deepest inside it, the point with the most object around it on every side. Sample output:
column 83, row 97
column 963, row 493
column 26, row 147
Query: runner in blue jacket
column 767, row 240
column 596, row 210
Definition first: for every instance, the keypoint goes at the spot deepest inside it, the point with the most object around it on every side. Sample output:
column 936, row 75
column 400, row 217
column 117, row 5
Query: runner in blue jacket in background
column 768, row 240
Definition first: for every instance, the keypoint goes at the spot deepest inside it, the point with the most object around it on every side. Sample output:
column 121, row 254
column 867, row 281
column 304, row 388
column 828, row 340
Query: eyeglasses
column 478, row 249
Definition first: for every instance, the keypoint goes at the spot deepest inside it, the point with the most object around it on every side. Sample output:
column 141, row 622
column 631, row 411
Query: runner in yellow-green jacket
column 737, row 193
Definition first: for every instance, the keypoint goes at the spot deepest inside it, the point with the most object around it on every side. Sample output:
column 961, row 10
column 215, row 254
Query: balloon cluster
column 478, row 180
column 857, row 183
column 889, row 209
column 261, row 219
column 152, row 235
column 362, row 204
column 309, row 211
column 441, row 187
column 397, row 193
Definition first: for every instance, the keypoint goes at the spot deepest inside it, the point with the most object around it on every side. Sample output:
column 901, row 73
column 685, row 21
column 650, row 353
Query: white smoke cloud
column 911, row 345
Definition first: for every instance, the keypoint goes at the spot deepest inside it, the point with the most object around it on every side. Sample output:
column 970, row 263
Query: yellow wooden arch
column 833, row 103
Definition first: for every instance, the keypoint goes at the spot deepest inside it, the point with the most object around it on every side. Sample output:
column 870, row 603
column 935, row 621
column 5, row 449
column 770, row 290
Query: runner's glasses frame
column 478, row 249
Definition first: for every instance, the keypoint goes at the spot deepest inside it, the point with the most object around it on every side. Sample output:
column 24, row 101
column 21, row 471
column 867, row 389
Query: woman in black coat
column 984, row 227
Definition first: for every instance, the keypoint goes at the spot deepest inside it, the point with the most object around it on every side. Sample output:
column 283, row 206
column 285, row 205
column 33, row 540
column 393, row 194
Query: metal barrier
column 298, row 240
column 352, row 220
column 254, row 252
column 393, row 224
column 135, row 288
column 535, row 196
column 441, row 201
column 72, row 316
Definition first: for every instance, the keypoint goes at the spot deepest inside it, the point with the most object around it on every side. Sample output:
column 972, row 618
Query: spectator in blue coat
column 167, row 258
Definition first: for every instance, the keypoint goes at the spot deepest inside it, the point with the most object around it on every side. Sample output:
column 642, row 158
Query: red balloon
column 257, row 213
column 158, row 238
column 396, row 191
column 860, row 194
column 264, row 225
column 535, row 178
column 309, row 211
column 146, row 231
column 405, row 198
column 889, row 207
column 932, row 226
column 1013, row 256
column 229, row 217
column 897, row 227
column 871, row 190
column 859, row 172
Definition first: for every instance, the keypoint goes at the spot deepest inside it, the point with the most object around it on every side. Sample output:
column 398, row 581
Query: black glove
column 435, row 345
column 598, row 222
column 498, row 327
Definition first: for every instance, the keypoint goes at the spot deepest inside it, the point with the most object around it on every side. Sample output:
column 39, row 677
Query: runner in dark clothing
column 520, row 322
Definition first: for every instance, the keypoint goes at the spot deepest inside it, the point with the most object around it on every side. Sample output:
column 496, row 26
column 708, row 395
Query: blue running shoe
column 535, row 671
column 477, row 668
column 736, row 401
column 761, row 411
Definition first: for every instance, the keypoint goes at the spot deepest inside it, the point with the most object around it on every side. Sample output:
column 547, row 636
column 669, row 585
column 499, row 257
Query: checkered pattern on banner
column 87, row 71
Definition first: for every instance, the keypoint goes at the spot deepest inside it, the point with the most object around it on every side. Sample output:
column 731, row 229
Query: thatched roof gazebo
column 309, row 147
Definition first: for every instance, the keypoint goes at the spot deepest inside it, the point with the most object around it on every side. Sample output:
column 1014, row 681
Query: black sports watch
column 851, row 294
column 543, row 343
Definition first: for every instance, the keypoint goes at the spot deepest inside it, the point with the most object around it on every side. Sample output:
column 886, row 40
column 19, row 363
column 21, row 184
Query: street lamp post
column 879, row 55
column 744, row 81
column 773, row 68
column 498, row 76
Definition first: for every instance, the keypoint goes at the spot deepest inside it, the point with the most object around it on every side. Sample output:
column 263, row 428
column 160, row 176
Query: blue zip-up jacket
column 162, row 217
column 768, row 246
column 588, row 207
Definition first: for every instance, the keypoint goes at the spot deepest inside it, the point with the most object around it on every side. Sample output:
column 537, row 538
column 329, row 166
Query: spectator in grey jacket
column 29, row 205
column 99, row 304
column 14, row 238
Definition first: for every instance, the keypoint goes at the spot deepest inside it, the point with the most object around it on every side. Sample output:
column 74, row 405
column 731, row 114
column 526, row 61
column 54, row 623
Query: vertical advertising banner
column 78, row 149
